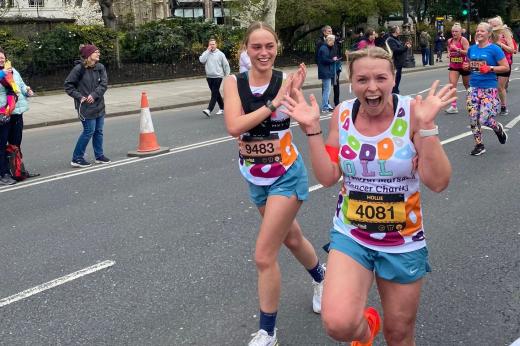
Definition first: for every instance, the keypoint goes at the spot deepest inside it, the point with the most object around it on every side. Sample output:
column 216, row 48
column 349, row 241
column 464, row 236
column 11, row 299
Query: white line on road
column 56, row 282
column 513, row 122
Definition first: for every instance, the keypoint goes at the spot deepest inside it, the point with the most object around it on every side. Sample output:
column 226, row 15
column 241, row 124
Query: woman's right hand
column 287, row 85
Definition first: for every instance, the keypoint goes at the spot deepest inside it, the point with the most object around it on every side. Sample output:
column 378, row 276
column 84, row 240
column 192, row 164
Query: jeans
column 214, row 86
column 425, row 55
column 398, row 72
column 325, row 85
column 92, row 128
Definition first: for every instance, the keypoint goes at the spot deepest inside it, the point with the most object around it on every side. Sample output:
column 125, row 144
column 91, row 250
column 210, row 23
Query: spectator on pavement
column 244, row 61
column 336, row 53
column 424, row 43
column 326, row 71
column 87, row 83
column 217, row 67
column 439, row 45
column 325, row 31
column 398, row 53
column 14, row 127
column 369, row 40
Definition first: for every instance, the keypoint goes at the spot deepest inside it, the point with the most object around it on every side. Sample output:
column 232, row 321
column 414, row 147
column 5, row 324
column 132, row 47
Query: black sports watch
column 269, row 104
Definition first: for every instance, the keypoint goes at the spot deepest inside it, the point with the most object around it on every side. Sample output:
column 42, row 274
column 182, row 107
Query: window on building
column 189, row 12
column 36, row 3
column 6, row 3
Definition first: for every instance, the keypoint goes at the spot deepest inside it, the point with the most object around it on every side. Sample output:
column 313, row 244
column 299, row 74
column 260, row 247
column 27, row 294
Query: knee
column 340, row 327
column 264, row 261
column 88, row 132
column 294, row 240
column 398, row 333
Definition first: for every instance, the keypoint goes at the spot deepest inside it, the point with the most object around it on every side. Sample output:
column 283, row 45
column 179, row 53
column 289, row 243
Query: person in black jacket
column 87, row 82
column 399, row 54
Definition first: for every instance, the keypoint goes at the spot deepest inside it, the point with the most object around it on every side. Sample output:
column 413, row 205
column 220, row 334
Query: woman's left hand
column 426, row 110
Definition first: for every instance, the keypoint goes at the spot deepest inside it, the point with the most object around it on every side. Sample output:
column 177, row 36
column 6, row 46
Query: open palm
column 301, row 111
column 426, row 110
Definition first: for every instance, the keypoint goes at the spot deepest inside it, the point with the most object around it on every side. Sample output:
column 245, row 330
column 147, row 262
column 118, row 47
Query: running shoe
column 103, row 159
column 374, row 323
column 220, row 112
column 7, row 180
column 478, row 150
column 452, row 110
column 207, row 112
column 81, row 163
column 261, row 338
column 316, row 297
column 318, row 292
column 504, row 111
column 502, row 135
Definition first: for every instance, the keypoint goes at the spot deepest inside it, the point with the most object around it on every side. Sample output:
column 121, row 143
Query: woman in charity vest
column 457, row 50
column 273, row 169
column 503, row 37
column 382, row 145
column 486, row 60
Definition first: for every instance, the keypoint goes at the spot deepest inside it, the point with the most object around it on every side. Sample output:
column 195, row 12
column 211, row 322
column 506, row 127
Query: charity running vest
column 379, row 202
column 267, row 151
column 456, row 58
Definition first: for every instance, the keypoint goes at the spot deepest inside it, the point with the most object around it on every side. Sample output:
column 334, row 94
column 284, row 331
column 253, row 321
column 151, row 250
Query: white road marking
column 513, row 122
column 56, row 282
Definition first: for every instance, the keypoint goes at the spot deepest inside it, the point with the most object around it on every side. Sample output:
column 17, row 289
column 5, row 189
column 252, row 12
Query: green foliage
column 61, row 45
column 15, row 48
column 175, row 39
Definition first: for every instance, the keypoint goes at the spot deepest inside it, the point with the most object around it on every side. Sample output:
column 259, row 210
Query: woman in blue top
column 485, row 60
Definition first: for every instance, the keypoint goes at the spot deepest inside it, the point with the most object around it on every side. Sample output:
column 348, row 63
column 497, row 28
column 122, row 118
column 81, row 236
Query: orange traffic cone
column 148, row 145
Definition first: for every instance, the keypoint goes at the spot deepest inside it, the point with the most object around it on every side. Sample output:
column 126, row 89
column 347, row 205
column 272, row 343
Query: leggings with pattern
column 483, row 105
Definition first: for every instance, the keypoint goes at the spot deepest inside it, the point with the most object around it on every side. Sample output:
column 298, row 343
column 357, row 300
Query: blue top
column 325, row 63
column 489, row 55
column 22, row 105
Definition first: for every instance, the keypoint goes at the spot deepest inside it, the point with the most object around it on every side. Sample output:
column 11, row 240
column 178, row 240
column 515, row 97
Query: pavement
column 58, row 108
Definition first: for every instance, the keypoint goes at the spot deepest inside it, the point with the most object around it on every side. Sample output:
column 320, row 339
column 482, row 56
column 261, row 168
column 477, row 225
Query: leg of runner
column 345, row 295
column 303, row 251
column 400, row 303
column 502, row 93
column 473, row 105
column 454, row 79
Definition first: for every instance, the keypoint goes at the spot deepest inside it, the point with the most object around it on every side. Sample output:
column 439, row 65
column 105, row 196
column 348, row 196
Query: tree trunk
column 107, row 13
column 270, row 12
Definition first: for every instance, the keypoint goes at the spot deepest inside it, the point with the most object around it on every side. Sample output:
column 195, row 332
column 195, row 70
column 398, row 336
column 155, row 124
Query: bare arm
column 236, row 123
column 326, row 171
column 433, row 165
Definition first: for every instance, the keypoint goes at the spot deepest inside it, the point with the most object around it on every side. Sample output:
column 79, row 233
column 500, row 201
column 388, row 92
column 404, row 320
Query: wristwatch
column 492, row 68
column 269, row 104
column 428, row 133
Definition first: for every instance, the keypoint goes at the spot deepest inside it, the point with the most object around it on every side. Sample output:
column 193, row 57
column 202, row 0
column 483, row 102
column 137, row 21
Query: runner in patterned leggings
column 273, row 168
column 485, row 60
column 457, row 51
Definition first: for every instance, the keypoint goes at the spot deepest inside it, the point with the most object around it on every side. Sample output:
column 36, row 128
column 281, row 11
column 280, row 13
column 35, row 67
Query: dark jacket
column 317, row 45
column 398, row 51
column 325, row 63
column 82, row 82
column 439, row 43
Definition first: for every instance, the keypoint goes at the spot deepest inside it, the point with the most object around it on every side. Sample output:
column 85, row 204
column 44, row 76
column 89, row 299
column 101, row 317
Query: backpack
column 423, row 41
column 15, row 162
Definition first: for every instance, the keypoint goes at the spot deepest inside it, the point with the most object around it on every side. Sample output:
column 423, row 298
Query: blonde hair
column 370, row 52
column 456, row 25
column 499, row 29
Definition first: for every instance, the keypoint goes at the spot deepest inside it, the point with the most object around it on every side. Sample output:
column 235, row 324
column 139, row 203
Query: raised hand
column 299, row 76
column 426, row 110
column 308, row 115
column 287, row 85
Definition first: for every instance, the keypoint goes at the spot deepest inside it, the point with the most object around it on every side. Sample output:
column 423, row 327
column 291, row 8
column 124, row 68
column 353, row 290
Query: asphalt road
column 178, row 231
